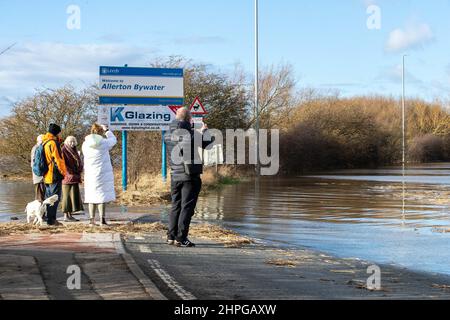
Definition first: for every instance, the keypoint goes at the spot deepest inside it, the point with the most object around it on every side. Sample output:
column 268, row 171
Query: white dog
column 35, row 210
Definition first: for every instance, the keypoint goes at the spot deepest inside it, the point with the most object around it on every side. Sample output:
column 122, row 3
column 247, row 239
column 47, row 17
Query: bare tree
column 276, row 96
column 73, row 110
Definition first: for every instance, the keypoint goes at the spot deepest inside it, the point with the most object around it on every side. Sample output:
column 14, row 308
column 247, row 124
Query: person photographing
column 186, row 169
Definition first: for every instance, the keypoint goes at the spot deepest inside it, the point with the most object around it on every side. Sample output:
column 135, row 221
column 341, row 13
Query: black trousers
column 184, row 200
column 51, row 190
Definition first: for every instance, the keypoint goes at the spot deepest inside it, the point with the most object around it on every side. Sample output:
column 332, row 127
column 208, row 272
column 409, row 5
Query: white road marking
column 145, row 249
column 171, row 283
column 139, row 238
column 148, row 285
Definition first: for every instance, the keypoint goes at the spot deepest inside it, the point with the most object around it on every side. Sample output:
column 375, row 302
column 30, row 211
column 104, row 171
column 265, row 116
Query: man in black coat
column 186, row 167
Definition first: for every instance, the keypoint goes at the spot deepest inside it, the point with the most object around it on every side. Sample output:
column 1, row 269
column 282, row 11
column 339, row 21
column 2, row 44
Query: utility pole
column 258, row 166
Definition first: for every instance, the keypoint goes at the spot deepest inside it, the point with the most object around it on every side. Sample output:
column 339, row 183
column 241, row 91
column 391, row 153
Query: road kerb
column 148, row 285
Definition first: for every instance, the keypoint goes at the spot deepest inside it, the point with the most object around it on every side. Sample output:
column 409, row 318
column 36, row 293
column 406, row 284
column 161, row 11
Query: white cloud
column 111, row 38
column 46, row 63
column 368, row 3
column 393, row 75
column 412, row 37
column 36, row 65
column 200, row 40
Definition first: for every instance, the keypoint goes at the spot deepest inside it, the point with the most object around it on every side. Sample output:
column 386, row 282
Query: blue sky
column 327, row 41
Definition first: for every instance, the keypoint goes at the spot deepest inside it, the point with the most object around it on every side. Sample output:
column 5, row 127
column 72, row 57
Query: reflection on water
column 363, row 214
column 13, row 198
column 313, row 199
column 354, row 213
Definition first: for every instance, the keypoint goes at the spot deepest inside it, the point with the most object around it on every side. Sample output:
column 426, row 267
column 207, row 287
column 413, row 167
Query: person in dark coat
column 186, row 173
column 71, row 198
column 38, row 182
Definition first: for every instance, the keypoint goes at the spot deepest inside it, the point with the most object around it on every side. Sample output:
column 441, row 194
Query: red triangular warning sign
column 197, row 107
column 175, row 108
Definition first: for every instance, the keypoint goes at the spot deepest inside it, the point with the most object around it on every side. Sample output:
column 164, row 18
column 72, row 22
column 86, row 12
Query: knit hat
column 54, row 129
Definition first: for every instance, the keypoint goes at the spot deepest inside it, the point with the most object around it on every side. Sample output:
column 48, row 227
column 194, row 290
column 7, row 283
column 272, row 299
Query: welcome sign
column 141, row 86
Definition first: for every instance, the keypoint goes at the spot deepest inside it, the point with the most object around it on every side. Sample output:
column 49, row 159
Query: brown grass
column 227, row 237
column 211, row 177
column 147, row 190
column 282, row 263
column 358, row 284
column 227, row 175
column 203, row 231
column 17, row 228
column 441, row 230
column 15, row 177
column 441, row 286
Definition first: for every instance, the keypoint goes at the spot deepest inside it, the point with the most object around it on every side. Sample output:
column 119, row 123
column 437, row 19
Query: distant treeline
column 328, row 132
column 318, row 130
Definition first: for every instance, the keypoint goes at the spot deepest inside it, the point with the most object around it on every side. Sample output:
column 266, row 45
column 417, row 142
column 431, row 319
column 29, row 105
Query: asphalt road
column 211, row 271
column 34, row 266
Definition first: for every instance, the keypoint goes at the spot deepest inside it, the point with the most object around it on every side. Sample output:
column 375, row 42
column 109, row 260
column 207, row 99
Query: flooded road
column 350, row 214
column 364, row 214
column 13, row 198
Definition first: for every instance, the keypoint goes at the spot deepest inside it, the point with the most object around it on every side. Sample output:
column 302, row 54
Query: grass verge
column 149, row 189
column 203, row 231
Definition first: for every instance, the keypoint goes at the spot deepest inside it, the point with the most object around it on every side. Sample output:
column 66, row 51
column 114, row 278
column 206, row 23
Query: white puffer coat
column 98, row 170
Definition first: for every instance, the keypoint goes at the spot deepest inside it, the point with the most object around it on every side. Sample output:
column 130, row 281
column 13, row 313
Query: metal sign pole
column 125, row 157
column 257, row 125
column 163, row 157
column 124, row 160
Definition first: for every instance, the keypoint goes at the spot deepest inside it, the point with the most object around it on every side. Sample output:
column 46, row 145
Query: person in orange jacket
column 56, row 170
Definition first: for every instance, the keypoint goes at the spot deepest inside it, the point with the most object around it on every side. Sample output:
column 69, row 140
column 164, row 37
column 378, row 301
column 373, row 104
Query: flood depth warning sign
column 141, row 86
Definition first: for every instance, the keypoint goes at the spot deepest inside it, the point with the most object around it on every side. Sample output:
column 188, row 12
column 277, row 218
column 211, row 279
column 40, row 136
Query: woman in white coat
column 98, row 171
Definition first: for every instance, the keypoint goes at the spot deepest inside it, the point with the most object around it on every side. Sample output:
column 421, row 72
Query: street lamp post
column 403, row 114
column 258, row 168
column 403, row 142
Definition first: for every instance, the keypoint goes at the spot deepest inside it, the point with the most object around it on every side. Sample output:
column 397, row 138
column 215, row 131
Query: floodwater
column 13, row 199
column 366, row 214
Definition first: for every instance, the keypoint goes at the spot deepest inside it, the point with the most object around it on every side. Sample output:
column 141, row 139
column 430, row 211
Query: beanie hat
column 54, row 129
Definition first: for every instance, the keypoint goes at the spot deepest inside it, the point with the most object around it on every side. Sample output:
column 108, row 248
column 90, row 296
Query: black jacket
column 178, row 170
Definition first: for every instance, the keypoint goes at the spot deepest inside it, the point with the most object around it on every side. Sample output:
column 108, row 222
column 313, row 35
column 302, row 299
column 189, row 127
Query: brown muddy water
column 365, row 214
